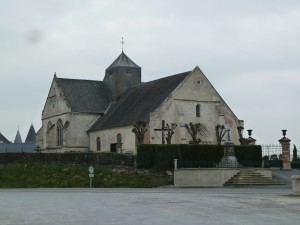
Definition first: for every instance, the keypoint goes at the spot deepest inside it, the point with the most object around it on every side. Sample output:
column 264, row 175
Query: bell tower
column 122, row 75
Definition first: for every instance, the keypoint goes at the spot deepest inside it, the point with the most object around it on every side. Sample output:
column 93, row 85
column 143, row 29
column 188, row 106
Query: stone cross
column 162, row 129
column 228, row 135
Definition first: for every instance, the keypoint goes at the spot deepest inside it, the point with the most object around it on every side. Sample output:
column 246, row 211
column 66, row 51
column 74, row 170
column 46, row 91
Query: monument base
column 228, row 162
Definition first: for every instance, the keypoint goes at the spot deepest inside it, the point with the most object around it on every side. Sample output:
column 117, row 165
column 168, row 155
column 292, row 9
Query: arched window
column 59, row 133
column 98, row 144
column 119, row 143
column 198, row 110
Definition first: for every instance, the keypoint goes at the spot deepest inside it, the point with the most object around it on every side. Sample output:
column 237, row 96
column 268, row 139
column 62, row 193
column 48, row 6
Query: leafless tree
column 170, row 132
column 139, row 128
column 220, row 133
column 195, row 128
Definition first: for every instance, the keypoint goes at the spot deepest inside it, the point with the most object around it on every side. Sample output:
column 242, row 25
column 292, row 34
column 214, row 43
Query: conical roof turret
column 18, row 138
column 31, row 135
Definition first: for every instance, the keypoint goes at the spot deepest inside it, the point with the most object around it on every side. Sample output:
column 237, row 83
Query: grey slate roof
column 18, row 139
column 31, row 135
column 85, row 95
column 136, row 103
column 3, row 139
column 123, row 60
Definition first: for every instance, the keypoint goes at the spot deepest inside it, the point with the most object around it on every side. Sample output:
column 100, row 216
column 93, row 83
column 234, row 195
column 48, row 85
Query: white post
column 175, row 164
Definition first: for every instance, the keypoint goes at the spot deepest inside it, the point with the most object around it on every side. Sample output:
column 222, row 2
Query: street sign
column 91, row 169
column 91, row 175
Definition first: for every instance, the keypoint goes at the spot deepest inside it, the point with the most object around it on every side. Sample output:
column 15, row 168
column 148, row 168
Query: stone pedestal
column 228, row 160
column 296, row 184
column 286, row 158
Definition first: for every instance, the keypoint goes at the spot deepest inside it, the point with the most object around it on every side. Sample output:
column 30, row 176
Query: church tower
column 121, row 75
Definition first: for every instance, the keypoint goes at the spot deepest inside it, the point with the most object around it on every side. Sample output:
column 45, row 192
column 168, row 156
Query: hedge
column 162, row 156
column 70, row 158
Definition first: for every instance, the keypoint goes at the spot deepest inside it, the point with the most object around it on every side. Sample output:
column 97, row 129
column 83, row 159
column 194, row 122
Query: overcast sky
column 249, row 50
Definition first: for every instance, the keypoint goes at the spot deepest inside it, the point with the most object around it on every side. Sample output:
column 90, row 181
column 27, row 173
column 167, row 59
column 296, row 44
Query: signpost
column 91, row 175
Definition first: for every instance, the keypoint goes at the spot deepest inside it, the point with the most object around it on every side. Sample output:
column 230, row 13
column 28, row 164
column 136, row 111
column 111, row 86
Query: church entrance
column 113, row 147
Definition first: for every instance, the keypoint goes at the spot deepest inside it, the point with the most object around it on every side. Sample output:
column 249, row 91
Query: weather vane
column 122, row 42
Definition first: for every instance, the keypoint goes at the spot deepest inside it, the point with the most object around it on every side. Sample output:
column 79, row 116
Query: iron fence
column 274, row 151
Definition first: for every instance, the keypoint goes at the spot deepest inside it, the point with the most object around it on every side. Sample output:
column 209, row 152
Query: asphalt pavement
column 261, row 205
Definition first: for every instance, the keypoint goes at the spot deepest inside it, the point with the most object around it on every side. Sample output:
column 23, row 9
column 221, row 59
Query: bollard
column 296, row 184
column 175, row 164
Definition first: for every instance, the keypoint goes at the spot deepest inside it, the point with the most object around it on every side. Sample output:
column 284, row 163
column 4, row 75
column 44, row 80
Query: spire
column 3, row 139
column 18, row 138
column 31, row 135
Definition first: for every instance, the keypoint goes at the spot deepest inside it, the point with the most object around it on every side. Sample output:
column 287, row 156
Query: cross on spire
column 122, row 42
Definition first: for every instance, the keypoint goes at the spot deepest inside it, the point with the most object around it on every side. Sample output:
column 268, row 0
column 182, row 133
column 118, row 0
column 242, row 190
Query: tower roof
column 123, row 60
column 3, row 139
column 18, row 138
column 31, row 135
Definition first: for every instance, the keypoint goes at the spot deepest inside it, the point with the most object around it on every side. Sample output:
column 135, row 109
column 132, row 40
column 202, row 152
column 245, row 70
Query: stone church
column 98, row 116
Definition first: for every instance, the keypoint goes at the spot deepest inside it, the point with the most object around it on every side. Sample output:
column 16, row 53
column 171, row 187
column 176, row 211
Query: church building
column 99, row 116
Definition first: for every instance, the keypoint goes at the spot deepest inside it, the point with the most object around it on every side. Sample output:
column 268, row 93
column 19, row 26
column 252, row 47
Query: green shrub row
column 162, row 156
column 69, row 158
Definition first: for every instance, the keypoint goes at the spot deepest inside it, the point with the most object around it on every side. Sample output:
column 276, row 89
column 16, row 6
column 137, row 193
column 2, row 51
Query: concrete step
column 251, row 177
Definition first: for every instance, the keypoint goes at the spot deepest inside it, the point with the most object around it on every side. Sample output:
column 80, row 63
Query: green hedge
column 162, row 156
column 69, row 158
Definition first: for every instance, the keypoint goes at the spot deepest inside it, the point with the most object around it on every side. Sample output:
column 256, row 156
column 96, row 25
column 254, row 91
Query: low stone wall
column 210, row 177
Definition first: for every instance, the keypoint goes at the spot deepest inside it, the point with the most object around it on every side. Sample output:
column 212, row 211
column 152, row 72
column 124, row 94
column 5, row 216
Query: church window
column 198, row 110
column 59, row 133
column 119, row 143
column 98, row 144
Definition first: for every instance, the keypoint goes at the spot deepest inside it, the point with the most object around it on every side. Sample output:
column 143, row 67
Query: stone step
column 251, row 177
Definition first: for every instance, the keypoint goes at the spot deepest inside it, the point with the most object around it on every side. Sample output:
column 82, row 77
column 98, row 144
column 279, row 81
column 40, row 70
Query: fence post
column 285, row 143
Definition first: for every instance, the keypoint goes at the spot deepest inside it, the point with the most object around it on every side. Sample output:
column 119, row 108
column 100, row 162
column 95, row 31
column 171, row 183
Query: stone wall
column 215, row 177
column 180, row 108
column 109, row 136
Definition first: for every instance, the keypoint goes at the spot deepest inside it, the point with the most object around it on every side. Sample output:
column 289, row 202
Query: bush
column 162, row 156
column 69, row 158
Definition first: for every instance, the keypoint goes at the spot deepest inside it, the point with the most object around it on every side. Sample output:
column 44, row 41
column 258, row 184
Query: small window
column 98, row 144
column 198, row 110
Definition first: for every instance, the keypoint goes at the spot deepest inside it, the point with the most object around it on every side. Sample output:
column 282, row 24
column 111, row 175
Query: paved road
column 164, row 206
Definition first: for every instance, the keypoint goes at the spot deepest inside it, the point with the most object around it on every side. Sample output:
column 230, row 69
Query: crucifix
column 122, row 42
column 162, row 129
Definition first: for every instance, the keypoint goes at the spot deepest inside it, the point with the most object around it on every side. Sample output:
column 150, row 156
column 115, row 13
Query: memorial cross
column 163, row 129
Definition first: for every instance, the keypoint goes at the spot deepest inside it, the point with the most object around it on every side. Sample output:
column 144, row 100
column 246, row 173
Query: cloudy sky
column 249, row 50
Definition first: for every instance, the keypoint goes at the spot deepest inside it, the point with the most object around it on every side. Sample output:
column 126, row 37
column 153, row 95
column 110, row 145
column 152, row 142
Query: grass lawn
column 52, row 175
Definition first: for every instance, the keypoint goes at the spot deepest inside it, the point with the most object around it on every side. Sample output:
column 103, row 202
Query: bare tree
column 195, row 128
column 139, row 128
column 170, row 132
column 220, row 133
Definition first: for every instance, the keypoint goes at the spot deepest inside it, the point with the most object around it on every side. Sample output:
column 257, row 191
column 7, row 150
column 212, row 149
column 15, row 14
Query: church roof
column 123, row 60
column 3, row 139
column 85, row 95
column 18, row 138
column 31, row 135
column 136, row 103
